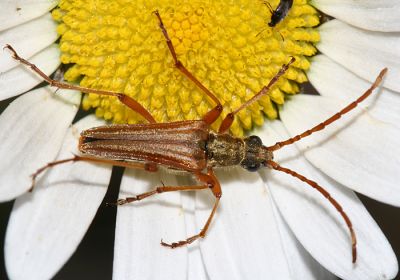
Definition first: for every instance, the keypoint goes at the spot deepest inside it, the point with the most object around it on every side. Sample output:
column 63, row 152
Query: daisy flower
column 269, row 225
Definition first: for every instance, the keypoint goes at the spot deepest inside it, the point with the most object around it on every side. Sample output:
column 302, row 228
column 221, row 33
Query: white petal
column 359, row 151
column 20, row 78
column 363, row 52
column 300, row 262
column 244, row 240
column 14, row 12
column 319, row 226
column 243, row 229
column 46, row 226
column 380, row 15
column 196, row 268
column 28, row 39
column 332, row 80
column 31, row 132
column 140, row 227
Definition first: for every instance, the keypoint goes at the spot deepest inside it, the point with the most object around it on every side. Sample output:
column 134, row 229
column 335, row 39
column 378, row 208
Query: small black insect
column 280, row 12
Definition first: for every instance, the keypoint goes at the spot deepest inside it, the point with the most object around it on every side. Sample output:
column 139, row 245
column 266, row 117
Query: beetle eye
column 254, row 141
column 251, row 166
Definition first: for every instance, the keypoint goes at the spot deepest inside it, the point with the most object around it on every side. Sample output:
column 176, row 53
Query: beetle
column 189, row 146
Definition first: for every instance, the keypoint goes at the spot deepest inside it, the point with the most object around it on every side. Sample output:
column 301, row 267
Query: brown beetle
column 189, row 146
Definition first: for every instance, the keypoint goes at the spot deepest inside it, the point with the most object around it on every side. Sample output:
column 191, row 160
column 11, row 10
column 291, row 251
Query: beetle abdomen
column 180, row 145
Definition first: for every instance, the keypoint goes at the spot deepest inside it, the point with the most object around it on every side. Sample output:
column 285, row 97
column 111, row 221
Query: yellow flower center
column 227, row 45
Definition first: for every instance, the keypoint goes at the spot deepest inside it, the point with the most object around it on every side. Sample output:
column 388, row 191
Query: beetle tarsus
column 188, row 241
column 120, row 202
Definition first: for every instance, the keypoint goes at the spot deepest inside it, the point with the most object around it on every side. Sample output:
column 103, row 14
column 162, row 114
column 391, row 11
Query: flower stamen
column 118, row 46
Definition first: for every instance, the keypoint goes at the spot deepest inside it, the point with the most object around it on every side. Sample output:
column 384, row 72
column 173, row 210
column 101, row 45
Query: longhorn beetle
column 189, row 146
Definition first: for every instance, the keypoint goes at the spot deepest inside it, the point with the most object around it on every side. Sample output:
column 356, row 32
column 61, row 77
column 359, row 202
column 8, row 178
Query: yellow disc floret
column 227, row 45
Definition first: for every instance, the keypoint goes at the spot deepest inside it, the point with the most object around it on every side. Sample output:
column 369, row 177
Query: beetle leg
column 125, row 99
column 266, row 3
column 211, row 182
column 157, row 190
column 227, row 122
column 151, row 167
column 214, row 113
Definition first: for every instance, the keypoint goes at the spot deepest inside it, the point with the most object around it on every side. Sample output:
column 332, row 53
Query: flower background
column 93, row 261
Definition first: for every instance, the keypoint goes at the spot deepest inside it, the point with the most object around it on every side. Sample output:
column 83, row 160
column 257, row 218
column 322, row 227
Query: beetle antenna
column 328, row 196
column 333, row 118
column 228, row 120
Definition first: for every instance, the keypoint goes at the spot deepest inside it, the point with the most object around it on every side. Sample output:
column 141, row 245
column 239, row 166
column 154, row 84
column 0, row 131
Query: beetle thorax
column 226, row 150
